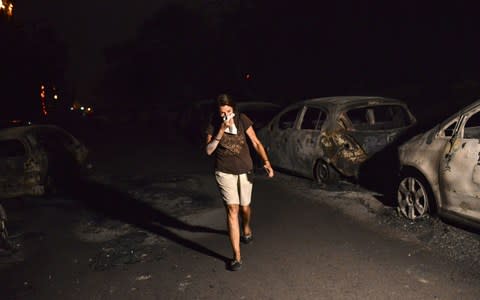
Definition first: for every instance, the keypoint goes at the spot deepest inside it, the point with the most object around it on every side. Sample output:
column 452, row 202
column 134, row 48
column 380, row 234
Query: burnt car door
column 13, row 157
column 376, row 126
column 306, row 142
column 281, row 152
column 64, row 153
column 459, row 167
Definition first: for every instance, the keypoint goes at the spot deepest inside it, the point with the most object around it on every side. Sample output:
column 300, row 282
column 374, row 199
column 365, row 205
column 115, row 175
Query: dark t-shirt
column 232, row 155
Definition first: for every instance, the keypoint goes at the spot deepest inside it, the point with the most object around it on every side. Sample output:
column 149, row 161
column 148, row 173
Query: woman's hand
column 227, row 123
column 268, row 168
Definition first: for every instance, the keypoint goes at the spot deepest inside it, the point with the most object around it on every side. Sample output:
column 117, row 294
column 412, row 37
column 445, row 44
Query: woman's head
column 226, row 105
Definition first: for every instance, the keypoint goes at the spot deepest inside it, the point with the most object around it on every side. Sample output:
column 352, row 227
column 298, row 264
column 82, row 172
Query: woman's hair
column 225, row 99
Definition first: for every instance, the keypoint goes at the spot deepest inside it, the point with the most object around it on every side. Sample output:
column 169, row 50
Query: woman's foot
column 246, row 239
column 235, row 265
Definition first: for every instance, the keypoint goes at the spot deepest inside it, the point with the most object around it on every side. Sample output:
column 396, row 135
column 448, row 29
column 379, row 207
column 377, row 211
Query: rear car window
column 379, row 117
column 472, row 127
column 11, row 148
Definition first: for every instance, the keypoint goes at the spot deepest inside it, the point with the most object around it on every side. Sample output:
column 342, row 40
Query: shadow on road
column 115, row 204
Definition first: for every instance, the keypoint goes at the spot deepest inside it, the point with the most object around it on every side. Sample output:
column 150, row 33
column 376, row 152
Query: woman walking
column 226, row 138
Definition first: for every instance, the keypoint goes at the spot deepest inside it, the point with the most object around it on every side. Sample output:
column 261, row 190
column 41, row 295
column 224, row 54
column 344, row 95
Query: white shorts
column 235, row 189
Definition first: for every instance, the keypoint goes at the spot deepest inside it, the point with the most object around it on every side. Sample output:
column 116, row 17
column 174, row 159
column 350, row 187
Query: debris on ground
column 125, row 250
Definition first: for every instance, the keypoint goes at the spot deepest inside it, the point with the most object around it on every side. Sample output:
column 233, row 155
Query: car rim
column 322, row 172
column 412, row 198
column 3, row 231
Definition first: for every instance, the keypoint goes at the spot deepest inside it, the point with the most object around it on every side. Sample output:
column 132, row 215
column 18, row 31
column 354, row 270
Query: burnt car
column 440, row 170
column 193, row 120
column 38, row 159
column 328, row 138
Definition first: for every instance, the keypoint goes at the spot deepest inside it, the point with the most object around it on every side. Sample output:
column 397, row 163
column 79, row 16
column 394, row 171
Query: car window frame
column 287, row 110
column 301, row 117
column 350, row 127
column 440, row 133
column 464, row 120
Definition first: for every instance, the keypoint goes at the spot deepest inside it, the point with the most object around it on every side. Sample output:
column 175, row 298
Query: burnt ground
column 146, row 188
column 455, row 241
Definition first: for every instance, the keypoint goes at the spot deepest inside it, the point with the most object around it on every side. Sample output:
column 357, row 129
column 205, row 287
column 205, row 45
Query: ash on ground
column 122, row 244
column 450, row 240
column 461, row 245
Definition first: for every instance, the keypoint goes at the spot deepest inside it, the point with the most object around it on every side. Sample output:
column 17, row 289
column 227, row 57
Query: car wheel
column 414, row 198
column 325, row 173
column 4, row 244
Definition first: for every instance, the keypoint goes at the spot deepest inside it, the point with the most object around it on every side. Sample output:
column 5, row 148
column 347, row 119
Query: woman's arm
column 212, row 142
column 257, row 145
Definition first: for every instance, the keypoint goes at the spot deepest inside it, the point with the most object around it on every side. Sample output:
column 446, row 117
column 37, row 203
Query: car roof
column 345, row 101
column 254, row 104
column 241, row 105
column 15, row 132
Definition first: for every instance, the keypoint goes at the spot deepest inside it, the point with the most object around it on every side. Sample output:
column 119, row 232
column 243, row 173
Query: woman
column 226, row 137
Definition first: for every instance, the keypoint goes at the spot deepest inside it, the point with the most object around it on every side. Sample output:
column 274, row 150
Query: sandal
column 235, row 265
column 246, row 239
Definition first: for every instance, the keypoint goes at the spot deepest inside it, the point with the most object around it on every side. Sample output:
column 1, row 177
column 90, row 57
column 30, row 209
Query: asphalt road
column 302, row 248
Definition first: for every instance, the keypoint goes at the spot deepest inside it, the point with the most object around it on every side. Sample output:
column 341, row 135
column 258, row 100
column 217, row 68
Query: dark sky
column 365, row 36
column 88, row 27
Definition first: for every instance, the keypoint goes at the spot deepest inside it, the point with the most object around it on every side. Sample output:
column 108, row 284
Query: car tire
column 324, row 173
column 414, row 196
column 4, row 243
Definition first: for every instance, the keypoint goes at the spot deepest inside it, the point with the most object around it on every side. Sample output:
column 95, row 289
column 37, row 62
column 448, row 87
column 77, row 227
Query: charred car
column 38, row 159
column 194, row 119
column 440, row 170
column 327, row 138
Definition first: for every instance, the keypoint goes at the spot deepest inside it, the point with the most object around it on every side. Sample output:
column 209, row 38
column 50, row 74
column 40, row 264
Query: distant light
column 10, row 10
column 248, row 76
column 72, row 108
column 42, row 87
column 55, row 97
column 82, row 108
column 89, row 109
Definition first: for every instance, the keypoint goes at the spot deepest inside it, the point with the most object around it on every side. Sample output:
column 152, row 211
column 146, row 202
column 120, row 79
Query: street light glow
column 6, row 6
